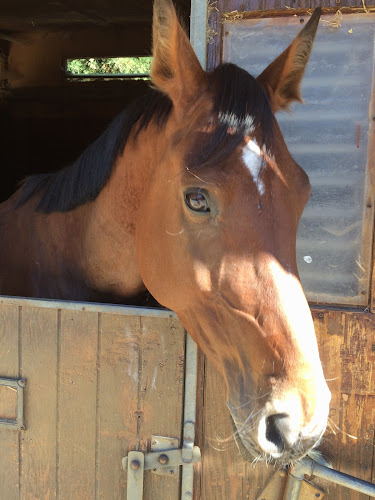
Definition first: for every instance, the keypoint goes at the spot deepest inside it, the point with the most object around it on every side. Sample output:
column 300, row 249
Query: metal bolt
column 134, row 464
column 369, row 205
column 321, row 315
column 22, row 382
column 171, row 472
column 301, row 20
column 163, row 459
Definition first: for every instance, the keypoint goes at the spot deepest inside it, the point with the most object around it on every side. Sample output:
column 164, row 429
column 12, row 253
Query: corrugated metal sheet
column 329, row 138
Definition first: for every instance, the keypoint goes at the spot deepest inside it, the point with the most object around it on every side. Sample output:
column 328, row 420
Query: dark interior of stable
column 47, row 120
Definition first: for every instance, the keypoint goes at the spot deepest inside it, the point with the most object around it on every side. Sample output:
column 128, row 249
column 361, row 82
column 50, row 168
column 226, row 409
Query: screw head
column 163, row 459
column 134, row 464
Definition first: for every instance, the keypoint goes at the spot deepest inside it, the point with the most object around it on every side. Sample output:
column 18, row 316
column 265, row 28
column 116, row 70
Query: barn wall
column 37, row 59
column 45, row 120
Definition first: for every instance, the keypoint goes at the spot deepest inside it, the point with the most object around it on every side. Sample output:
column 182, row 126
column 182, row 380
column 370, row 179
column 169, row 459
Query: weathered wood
column 223, row 469
column 9, row 367
column 161, row 395
column 38, row 365
column 98, row 385
column 346, row 340
column 77, row 404
column 117, row 399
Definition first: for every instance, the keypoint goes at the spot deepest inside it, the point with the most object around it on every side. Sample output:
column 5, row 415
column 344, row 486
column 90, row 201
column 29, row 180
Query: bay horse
column 191, row 193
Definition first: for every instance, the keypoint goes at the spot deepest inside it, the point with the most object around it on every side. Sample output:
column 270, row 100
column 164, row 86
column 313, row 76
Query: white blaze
column 252, row 157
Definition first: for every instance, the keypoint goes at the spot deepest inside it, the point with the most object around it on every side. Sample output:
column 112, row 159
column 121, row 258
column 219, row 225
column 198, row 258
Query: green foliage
column 109, row 65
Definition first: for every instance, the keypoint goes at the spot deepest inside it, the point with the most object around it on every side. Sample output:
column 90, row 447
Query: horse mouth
column 251, row 452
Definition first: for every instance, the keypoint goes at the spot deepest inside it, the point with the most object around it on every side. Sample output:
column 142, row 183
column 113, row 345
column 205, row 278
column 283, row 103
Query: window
column 107, row 67
column 331, row 138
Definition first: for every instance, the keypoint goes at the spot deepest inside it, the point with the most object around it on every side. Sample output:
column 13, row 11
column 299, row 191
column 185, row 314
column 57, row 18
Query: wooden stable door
column 99, row 381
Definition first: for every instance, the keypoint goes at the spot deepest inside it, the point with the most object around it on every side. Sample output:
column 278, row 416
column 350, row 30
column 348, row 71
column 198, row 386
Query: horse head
column 216, row 236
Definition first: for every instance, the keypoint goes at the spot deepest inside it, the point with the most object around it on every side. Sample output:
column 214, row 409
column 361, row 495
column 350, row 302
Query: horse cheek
column 161, row 250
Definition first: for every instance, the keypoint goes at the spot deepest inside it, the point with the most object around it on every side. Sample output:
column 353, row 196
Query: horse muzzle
column 279, row 432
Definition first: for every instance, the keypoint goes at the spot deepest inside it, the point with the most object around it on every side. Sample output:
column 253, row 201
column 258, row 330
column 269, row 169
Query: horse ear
column 175, row 69
column 283, row 76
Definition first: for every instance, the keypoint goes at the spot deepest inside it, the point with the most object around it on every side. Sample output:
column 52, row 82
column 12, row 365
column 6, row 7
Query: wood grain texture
column 117, row 401
column 98, row 385
column 77, row 405
column 346, row 341
column 38, row 442
column 161, row 395
column 9, row 368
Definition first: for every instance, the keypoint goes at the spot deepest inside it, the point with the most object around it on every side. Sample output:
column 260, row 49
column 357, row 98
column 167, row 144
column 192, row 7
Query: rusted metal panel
column 223, row 9
column 98, row 384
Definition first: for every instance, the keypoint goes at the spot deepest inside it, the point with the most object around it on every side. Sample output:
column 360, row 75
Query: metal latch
column 164, row 459
column 166, row 456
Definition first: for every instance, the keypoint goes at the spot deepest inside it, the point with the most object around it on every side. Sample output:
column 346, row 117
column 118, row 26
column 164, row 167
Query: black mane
column 82, row 181
column 240, row 104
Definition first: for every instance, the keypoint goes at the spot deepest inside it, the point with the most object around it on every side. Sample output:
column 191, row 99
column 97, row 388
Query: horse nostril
column 273, row 431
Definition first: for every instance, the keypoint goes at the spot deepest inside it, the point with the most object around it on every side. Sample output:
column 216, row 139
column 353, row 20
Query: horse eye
column 197, row 201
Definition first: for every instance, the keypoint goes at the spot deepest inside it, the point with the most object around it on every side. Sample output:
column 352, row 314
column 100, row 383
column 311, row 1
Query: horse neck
column 110, row 243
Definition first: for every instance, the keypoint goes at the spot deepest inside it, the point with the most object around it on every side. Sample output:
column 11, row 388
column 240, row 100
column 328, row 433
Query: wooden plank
column 223, row 469
column 38, row 445
column 9, row 367
column 77, row 387
column 160, row 399
column 150, row 312
column 117, row 400
column 345, row 342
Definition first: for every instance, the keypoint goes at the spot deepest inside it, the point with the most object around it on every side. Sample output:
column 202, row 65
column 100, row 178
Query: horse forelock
column 240, row 108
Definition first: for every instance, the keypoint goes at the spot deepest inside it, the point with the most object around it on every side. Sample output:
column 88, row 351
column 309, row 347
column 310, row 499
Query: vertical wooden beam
column 9, row 367
column 117, row 400
column 38, row 442
column 161, row 394
column 77, row 404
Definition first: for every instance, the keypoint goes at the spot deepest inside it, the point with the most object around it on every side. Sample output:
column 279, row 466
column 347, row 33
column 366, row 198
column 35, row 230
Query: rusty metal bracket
column 311, row 468
column 18, row 386
column 164, row 459
column 135, row 468
column 161, row 444
column 275, row 488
